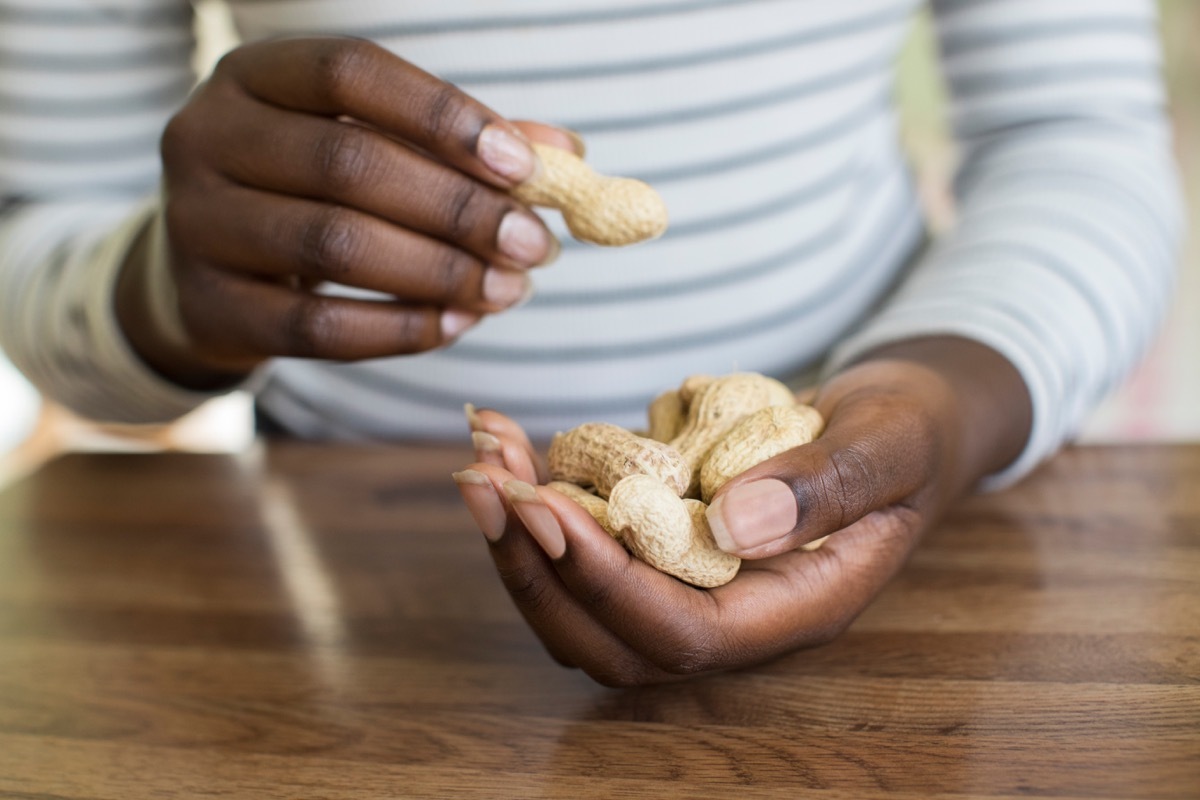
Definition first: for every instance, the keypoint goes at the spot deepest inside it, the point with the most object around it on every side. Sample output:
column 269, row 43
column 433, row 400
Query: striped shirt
column 767, row 126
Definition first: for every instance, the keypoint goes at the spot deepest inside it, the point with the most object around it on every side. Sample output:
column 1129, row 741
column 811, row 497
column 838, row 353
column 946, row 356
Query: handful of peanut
column 650, row 492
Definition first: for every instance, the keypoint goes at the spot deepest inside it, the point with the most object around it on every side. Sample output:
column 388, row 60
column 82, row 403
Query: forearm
column 79, row 168
column 58, row 269
column 1065, row 246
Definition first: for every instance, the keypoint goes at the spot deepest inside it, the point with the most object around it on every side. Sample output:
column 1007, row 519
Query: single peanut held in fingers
column 596, row 208
column 669, row 534
column 764, row 434
column 599, row 454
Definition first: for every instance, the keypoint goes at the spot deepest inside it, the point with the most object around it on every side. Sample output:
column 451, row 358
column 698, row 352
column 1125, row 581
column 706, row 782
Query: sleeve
column 1065, row 247
column 85, row 90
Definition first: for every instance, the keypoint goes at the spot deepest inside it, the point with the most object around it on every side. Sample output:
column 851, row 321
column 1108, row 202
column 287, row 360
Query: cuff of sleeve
column 1044, row 437
column 144, row 395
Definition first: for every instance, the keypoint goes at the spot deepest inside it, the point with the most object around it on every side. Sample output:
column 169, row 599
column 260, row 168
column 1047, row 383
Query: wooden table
column 324, row 622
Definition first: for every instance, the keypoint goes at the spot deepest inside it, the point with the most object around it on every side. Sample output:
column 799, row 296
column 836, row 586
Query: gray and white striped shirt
column 767, row 126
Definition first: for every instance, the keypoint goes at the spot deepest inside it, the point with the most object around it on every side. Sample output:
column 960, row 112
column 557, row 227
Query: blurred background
column 1160, row 401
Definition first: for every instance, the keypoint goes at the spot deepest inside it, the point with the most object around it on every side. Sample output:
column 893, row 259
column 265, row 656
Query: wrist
column 977, row 396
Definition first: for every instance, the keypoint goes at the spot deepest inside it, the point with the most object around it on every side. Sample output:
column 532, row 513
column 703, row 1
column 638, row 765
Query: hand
column 908, row 431
column 310, row 160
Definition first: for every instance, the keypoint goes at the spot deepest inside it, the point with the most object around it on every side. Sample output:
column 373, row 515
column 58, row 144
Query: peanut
column 669, row 534
column 666, row 413
column 596, row 208
column 732, row 423
column 815, row 544
column 717, row 408
column 599, row 454
column 693, row 385
column 593, row 504
column 764, row 434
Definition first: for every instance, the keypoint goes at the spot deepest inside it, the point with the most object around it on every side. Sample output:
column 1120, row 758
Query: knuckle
column 338, row 68
column 560, row 657
column 177, row 217
column 690, row 650
column 199, row 288
column 330, row 243
column 178, row 140
column 186, row 238
column 415, row 334
column 527, row 590
column 309, row 327
column 462, row 208
column 231, row 62
column 849, row 484
column 342, row 158
column 449, row 274
column 443, row 111
column 598, row 596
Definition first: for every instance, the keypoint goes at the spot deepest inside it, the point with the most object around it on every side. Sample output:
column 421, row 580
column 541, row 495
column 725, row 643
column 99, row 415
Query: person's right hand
column 310, row 160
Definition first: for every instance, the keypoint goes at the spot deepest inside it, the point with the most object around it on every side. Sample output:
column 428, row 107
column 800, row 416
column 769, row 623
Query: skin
column 910, row 429
column 309, row 160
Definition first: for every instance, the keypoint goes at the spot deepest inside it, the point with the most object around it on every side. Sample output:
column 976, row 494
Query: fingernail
column 752, row 514
column 473, row 420
column 455, row 321
column 480, row 496
column 523, row 239
column 538, row 518
column 506, row 288
column 506, row 154
column 552, row 256
column 577, row 141
column 485, row 442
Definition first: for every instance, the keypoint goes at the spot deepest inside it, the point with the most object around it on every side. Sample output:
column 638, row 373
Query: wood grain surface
column 323, row 622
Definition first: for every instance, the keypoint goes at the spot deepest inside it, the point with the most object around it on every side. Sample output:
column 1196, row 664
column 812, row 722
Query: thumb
column 876, row 451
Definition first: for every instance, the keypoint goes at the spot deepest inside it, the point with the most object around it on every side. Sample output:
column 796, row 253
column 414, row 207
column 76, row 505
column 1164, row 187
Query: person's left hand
column 907, row 432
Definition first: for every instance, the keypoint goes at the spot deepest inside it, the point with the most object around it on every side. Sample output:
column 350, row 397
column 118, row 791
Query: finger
column 275, row 235
column 559, row 620
column 820, row 593
column 518, row 460
column 672, row 625
column 875, row 452
column 488, row 449
column 235, row 318
column 491, row 515
column 520, row 456
column 795, row 600
column 335, row 76
column 314, row 157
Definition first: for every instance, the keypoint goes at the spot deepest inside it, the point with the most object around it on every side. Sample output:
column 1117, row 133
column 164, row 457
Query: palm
column 617, row 617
